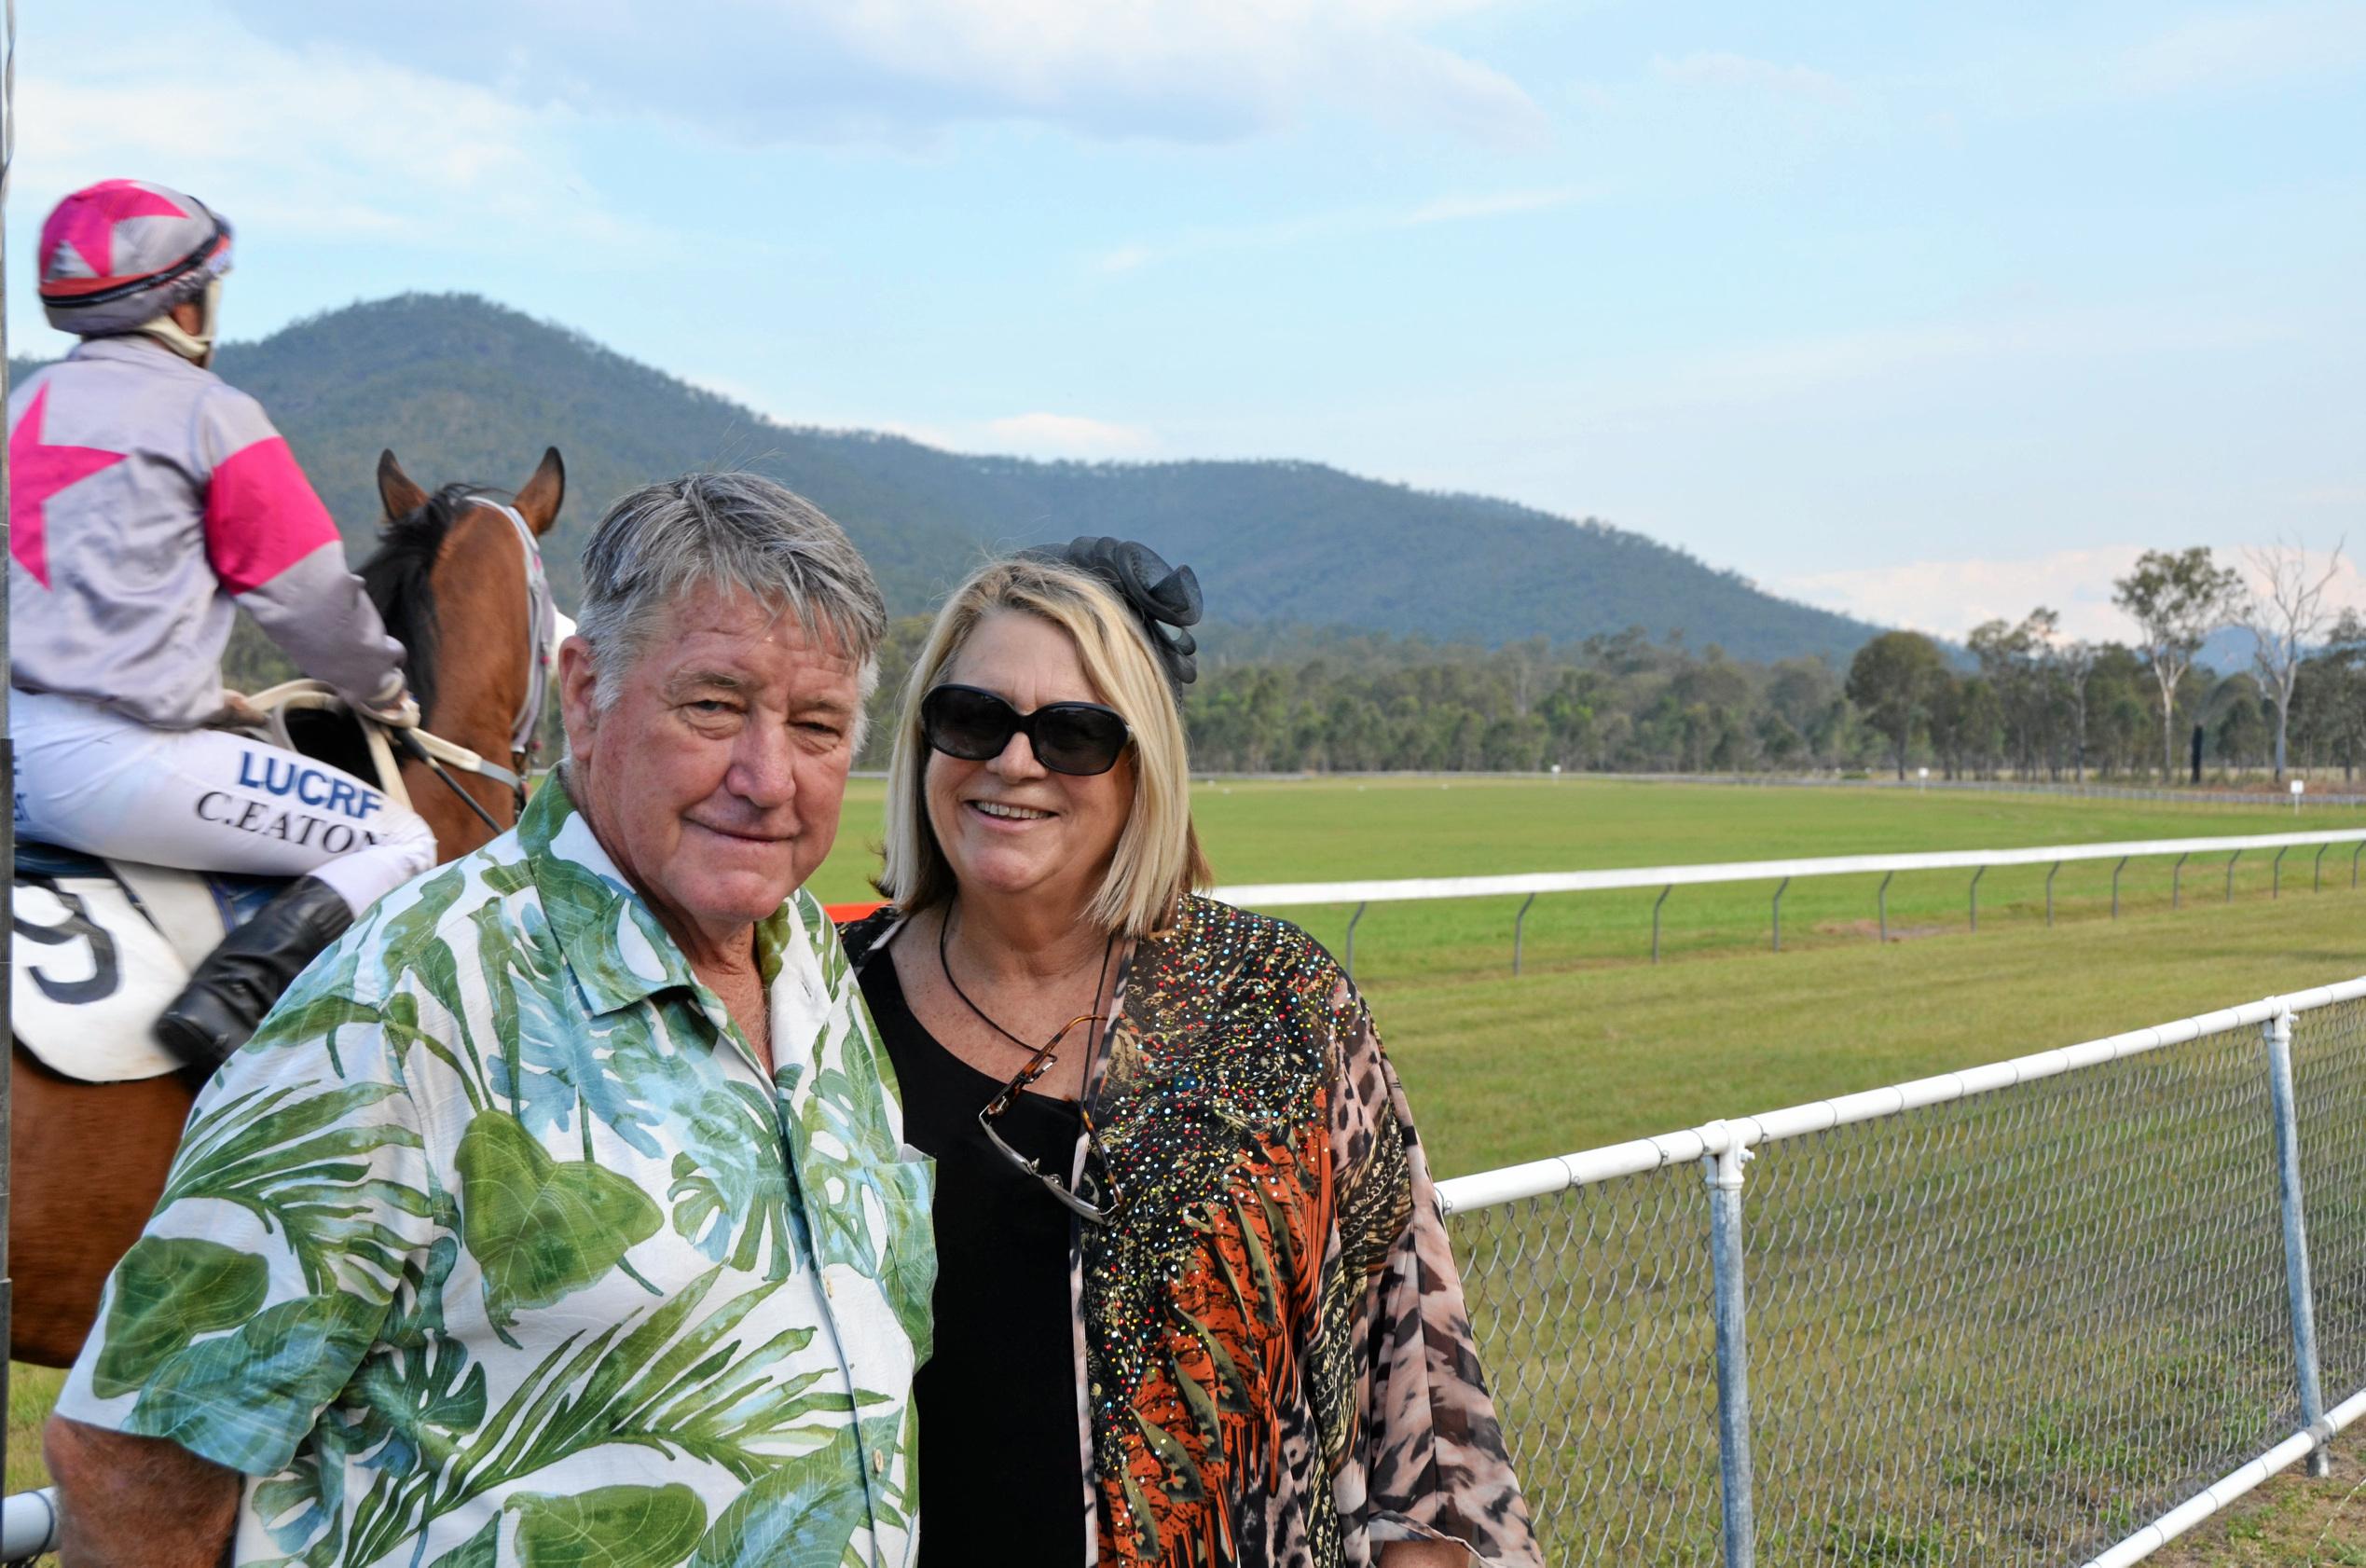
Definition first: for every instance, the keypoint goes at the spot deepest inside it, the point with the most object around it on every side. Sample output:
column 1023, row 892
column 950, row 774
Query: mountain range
column 465, row 388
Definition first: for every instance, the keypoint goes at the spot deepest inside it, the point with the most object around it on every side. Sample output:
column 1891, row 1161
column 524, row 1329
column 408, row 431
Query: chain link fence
column 2011, row 1316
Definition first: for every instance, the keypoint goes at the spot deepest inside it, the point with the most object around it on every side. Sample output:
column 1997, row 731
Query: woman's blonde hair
column 1158, row 858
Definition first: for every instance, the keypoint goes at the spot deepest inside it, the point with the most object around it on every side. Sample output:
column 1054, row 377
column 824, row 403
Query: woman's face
column 1009, row 825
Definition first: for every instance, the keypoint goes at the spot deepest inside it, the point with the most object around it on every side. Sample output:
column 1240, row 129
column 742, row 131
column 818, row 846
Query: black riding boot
column 239, row 980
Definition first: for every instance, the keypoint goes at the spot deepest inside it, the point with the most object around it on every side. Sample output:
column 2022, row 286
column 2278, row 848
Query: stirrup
column 228, row 995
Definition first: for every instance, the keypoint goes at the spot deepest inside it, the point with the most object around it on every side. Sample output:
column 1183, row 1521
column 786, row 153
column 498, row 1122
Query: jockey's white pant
column 92, row 779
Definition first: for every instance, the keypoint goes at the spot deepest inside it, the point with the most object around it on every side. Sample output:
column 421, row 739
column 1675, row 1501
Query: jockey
column 148, row 498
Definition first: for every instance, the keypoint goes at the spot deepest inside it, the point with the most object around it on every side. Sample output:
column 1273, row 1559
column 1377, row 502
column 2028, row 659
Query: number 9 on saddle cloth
column 111, row 930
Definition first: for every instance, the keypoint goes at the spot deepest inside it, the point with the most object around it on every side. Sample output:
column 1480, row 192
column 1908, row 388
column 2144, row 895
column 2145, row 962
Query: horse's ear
column 538, row 502
column 397, row 490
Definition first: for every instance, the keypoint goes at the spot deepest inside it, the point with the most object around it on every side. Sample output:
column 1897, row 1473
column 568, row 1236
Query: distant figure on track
column 1196, row 1304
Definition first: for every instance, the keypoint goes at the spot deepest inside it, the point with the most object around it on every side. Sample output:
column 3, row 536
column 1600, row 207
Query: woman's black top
column 1002, row 1467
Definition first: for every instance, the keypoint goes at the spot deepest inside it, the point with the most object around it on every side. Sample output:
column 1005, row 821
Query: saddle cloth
column 102, row 947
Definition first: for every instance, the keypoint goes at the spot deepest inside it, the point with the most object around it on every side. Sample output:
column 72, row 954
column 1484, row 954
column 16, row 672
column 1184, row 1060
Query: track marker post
column 2299, row 1292
column 1724, row 1172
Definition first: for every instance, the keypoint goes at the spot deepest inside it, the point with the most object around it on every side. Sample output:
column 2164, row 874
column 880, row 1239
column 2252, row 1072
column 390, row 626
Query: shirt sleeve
column 1427, row 1450
column 300, row 1195
column 277, row 552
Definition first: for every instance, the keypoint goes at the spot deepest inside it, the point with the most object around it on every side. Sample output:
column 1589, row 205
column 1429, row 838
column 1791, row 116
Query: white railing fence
column 1363, row 895
column 2323, row 789
column 2053, row 1310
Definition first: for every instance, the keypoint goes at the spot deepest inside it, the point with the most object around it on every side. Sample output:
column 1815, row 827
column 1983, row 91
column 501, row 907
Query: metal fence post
column 1723, row 1171
column 2317, row 874
column 1654, row 919
column 7, row 749
column 2275, row 887
column 1351, row 938
column 1881, row 902
column 2230, row 874
column 1519, row 925
column 1977, row 873
column 2177, row 884
column 2278, row 1031
column 2049, row 892
column 1778, row 914
column 2115, row 886
column 2352, row 863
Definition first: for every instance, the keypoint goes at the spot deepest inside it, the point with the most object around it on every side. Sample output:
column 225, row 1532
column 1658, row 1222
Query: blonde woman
column 1195, row 1302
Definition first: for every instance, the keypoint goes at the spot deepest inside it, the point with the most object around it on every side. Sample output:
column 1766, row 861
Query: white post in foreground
column 1724, row 1172
column 2299, row 1290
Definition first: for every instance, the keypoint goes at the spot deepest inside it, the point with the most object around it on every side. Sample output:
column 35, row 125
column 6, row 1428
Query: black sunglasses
column 1098, row 1196
column 1080, row 738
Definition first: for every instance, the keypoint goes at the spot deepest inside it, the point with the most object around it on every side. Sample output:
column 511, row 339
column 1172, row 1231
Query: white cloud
column 1070, row 435
column 1949, row 598
column 2246, row 48
column 774, row 71
column 307, row 142
column 1341, row 224
column 1739, row 72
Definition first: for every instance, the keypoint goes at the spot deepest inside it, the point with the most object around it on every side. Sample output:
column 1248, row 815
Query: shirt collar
column 131, row 349
column 619, row 952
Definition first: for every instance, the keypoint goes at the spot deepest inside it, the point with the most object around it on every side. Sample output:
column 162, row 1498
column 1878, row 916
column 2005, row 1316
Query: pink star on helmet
column 38, row 471
column 87, row 222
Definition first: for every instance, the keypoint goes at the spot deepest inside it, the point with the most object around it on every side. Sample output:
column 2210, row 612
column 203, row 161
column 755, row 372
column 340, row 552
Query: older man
column 560, row 1213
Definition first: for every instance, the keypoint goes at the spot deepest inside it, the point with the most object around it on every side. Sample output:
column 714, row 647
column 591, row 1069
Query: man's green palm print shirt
column 497, row 1246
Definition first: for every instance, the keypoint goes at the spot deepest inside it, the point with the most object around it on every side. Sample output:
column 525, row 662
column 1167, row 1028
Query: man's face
column 715, row 777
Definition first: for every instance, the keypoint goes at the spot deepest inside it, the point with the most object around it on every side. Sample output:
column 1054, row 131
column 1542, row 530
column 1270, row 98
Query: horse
column 87, row 1162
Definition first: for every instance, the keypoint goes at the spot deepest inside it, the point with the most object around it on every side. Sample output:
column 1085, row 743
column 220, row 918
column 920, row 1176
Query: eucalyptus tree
column 2287, row 615
column 1893, row 680
column 2176, row 599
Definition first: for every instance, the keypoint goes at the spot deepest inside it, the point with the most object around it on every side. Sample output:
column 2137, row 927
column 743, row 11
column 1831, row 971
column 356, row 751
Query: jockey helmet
column 115, row 255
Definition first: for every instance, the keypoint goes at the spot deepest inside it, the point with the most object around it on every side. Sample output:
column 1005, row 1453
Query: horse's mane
column 396, row 578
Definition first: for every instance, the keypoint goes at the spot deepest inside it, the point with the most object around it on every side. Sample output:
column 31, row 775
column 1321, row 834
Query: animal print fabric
column 1274, row 1356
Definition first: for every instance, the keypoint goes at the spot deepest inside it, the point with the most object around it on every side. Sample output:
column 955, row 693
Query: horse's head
column 459, row 581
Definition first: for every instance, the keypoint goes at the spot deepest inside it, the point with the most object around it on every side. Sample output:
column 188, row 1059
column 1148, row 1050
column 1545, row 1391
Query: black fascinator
column 1164, row 598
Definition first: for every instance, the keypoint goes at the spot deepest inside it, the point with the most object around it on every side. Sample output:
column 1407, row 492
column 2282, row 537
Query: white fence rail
column 2053, row 1310
column 1283, row 895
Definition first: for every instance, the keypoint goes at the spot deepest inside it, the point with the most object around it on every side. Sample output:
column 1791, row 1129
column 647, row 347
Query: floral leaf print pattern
column 785, row 1521
column 497, row 1248
column 609, row 1527
column 169, row 1290
column 540, row 1227
column 289, row 1160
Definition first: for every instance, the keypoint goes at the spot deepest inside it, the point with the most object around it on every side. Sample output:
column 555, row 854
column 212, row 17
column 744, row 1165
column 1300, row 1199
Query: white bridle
column 547, row 629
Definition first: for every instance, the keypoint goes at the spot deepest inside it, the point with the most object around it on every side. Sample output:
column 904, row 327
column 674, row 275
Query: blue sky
column 1925, row 312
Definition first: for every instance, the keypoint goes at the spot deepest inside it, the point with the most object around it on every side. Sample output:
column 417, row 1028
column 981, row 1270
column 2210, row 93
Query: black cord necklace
column 945, row 932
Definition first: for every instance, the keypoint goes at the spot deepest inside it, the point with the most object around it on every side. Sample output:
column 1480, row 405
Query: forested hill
column 462, row 389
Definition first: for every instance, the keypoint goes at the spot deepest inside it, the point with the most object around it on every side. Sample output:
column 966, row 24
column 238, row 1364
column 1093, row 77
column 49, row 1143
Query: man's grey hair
column 726, row 531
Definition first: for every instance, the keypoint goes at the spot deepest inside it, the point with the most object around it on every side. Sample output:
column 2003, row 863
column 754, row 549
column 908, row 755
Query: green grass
column 1503, row 1070
column 1592, row 1044
column 1363, row 830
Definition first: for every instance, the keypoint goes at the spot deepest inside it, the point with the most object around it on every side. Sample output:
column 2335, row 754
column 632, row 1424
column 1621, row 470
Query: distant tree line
column 2017, row 700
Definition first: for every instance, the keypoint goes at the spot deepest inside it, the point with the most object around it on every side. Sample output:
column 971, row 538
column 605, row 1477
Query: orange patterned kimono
column 1278, row 1365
